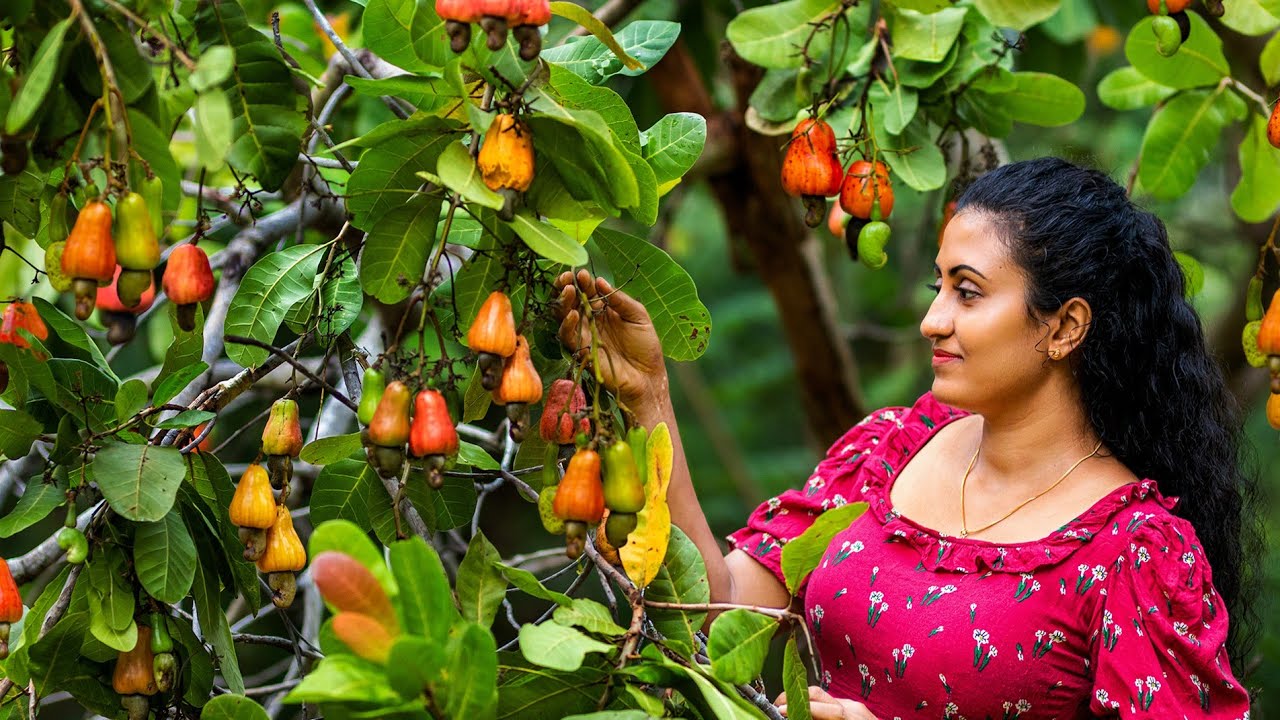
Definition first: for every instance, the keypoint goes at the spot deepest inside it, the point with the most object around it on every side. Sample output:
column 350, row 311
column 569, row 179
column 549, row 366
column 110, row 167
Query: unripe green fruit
column 871, row 242
column 546, row 510
column 371, row 395
column 623, row 488
column 1168, row 35
column 1253, row 300
column 619, row 526
column 74, row 543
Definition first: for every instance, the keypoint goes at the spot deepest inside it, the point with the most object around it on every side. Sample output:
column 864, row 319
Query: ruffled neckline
column 939, row 551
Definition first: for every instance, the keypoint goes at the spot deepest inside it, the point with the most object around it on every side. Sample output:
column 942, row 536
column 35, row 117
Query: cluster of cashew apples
column 812, row 170
column 1269, row 345
column 505, row 363
column 395, row 420
column 258, row 507
column 495, row 17
column 19, row 315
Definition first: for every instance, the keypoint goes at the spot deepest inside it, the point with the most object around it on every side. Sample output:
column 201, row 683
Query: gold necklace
column 964, row 523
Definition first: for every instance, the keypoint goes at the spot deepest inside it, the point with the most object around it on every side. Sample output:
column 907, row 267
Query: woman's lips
column 941, row 358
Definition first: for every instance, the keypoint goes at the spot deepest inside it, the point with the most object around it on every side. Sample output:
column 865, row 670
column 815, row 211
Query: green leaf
column 471, row 674
column 645, row 40
column 343, row 490
column 1043, row 99
column 590, row 616
column 232, row 707
column 795, row 682
column 896, row 105
column 673, row 145
column 387, row 174
column 581, row 147
column 1269, row 61
column 923, row 168
column 480, row 583
column 1192, row 273
column 214, row 625
column 266, row 293
column 139, row 482
column 84, row 388
column 20, row 201
column 681, row 579
column 112, row 605
column 1017, row 14
column 213, row 67
column 529, row 584
column 268, row 114
column 425, row 596
column 395, row 250
column 186, row 419
column 328, row 450
column 132, row 71
column 532, row 691
column 1181, row 139
column 1198, row 62
column 1127, row 89
column 548, row 241
column 428, row 94
column 340, row 299
column 917, row 36
column 415, row 664
column 213, row 126
column 39, row 78
column 476, row 456
column 1257, row 196
column 130, row 398
column 613, row 715
column 802, row 554
column 459, row 172
column 1072, row 23
column 344, row 678
column 34, row 505
column 430, row 41
column 385, row 25
column 771, row 36
column 600, row 31
column 72, row 333
column 556, row 646
column 17, row 431
column 168, row 388
column 164, row 557
column 738, row 644
column 1249, row 17
column 652, row 277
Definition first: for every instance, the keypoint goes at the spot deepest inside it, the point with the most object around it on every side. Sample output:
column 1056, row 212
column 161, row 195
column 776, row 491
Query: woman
column 1041, row 525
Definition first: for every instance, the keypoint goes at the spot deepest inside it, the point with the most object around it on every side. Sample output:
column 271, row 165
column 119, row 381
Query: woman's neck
column 1048, row 427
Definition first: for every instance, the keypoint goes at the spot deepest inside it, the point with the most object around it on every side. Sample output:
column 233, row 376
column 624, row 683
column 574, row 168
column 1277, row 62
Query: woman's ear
column 1073, row 320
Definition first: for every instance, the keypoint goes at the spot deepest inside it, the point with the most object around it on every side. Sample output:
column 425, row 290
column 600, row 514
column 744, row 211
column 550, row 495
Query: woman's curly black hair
column 1151, row 389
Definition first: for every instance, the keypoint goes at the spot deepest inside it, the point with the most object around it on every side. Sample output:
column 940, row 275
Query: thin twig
column 285, row 356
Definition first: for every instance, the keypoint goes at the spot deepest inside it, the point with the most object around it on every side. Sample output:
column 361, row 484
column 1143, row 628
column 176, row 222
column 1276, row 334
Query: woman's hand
column 628, row 350
column 825, row 707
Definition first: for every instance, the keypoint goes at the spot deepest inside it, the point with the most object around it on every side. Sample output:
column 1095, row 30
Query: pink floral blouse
column 1113, row 614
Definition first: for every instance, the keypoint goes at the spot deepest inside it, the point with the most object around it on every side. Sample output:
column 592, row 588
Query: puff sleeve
column 834, row 482
column 1159, row 648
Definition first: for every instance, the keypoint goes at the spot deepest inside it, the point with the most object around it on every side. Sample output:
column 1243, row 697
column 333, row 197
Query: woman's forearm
column 686, row 513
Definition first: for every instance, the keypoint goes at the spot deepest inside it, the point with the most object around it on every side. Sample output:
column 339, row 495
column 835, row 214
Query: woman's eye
column 936, row 288
column 966, row 294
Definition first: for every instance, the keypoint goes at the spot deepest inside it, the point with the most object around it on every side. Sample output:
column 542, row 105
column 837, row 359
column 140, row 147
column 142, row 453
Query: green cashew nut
column 74, row 543
column 1168, row 35
column 871, row 242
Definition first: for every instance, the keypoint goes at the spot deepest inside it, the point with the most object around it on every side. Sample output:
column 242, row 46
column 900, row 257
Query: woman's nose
column 937, row 321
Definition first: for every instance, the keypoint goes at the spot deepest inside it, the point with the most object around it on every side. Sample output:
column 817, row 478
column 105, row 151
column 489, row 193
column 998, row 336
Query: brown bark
column 768, row 222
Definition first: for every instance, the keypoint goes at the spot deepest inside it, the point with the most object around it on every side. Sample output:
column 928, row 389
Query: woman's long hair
column 1151, row 389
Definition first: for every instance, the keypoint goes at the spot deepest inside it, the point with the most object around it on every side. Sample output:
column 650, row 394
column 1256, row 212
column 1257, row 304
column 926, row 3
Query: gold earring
column 1055, row 353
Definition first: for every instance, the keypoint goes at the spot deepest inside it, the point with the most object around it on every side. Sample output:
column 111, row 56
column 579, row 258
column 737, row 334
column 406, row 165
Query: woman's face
column 980, row 317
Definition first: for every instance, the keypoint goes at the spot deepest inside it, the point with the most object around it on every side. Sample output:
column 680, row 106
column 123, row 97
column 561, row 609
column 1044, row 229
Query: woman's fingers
column 570, row 333
column 627, row 307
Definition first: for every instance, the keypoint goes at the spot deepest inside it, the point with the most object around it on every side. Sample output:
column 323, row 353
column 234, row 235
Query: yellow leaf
column 647, row 545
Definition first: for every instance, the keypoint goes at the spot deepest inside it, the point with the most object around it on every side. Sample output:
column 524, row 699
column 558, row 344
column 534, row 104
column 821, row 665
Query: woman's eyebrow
column 952, row 272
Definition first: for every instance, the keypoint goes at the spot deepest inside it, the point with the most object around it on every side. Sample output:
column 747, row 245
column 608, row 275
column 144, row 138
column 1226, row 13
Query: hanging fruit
column 1170, row 6
column 579, row 500
column 152, row 191
column 365, row 636
column 389, row 430
column 432, row 434
column 89, row 258
column 348, row 586
column 867, row 192
column 525, row 19
column 163, row 665
column 493, row 20
column 253, row 510
column 74, row 543
column 871, row 243
column 1168, row 35
column 134, row 679
column 22, row 315
column 458, row 16
column 283, row 557
column 137, row 251
column 493, row 337
column 563, row 415
column 506, row 160
column 811, row 169
column 122, row 320
column 188, row 280
column 520, row 385
column 550, row 486
column 1273, row 410
column 607, row 549
column 837, row 220
column 370, row 395
column 623, row 492
column 10, row 606
column 1273, row 126
column 1269, row 340
column 282, row 441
